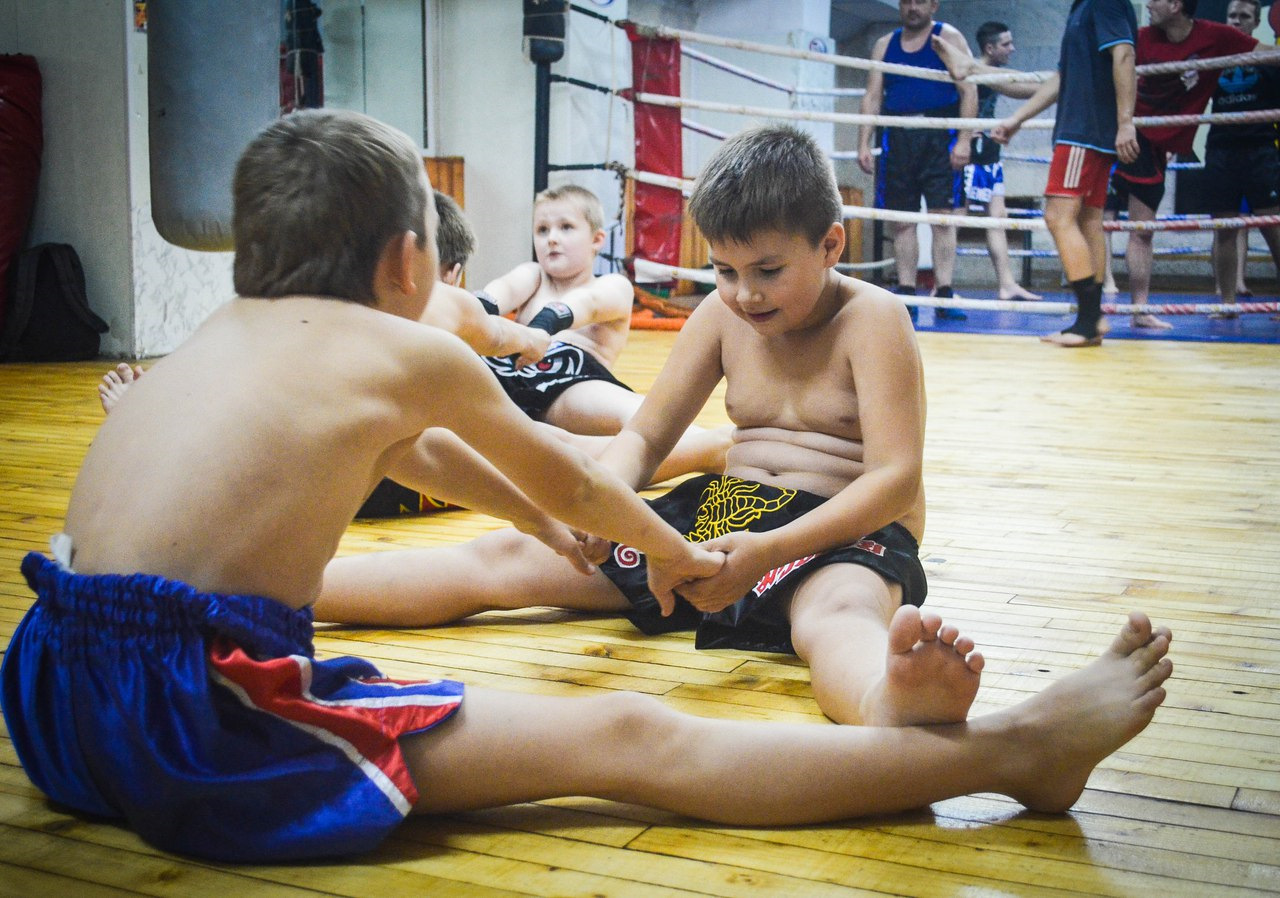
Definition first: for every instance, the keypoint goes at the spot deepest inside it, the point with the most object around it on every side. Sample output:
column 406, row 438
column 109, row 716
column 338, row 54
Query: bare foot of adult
column 959, row 65
column 115, row 383
column 1152, row 322
column 1017, row 292
column 931, row 673
column 1225, row 314
column 1060, row 735
column 1071, row 340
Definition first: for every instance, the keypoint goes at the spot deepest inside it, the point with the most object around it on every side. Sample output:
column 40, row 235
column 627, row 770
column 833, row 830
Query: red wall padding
column 655, row 69
column 21, row 144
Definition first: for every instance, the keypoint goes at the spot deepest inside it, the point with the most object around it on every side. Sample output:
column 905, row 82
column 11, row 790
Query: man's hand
column 1003, row 132
column 866, row 161
column 960, row 154
column 1127, row 143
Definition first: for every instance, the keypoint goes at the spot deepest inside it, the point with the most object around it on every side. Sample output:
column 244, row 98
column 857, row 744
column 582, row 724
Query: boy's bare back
column 238, row 461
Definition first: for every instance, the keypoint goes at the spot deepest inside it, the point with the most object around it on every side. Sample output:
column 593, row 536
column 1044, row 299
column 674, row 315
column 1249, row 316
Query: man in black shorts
column 918, row 163
column 1241, row 161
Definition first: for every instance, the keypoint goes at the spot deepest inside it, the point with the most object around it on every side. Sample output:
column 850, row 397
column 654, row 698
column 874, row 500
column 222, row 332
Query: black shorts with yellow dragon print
column 709, row 506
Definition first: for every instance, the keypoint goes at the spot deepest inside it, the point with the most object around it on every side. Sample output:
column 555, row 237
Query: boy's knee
column 631, row 719
column 858, row 597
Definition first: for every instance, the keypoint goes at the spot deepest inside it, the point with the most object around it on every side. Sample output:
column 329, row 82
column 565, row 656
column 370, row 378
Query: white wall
column 485, row 114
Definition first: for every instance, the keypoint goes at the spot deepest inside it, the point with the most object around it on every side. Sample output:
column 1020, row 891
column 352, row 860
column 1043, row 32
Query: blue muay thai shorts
column 205, row 721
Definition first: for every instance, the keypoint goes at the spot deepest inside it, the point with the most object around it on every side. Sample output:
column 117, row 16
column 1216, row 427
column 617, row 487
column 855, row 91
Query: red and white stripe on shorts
column 1078, row 171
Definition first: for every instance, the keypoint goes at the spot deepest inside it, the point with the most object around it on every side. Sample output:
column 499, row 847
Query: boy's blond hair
column 455, row 241
column 582, row 199
column 318, row 194
column 772, row 178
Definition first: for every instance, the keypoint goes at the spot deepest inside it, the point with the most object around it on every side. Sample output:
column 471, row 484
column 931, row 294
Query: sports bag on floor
column 49, row 319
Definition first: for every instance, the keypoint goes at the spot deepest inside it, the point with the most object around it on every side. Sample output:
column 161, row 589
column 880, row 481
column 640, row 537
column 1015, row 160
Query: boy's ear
column 452, row 274
column 401, row 254
column 833, row 244
column 598, row 239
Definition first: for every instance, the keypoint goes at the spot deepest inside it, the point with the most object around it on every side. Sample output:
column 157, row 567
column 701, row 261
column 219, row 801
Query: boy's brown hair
column 318, row 194
column 771, row 178
column 583, row 199
column 455, row 241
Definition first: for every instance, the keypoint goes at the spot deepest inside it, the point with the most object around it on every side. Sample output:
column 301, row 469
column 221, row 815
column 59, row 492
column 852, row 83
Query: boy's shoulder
column 863, row 304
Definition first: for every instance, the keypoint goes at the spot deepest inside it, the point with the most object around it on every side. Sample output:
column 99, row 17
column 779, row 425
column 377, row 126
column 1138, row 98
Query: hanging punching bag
column 213, row 82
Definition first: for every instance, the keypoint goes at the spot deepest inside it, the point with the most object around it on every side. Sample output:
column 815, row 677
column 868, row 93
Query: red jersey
column 1168, row 94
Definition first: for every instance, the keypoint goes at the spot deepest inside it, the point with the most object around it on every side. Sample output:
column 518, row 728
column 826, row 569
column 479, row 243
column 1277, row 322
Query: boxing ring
column 670, row 273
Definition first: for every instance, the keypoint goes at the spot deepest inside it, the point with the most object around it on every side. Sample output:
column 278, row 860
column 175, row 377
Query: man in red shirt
column 1174, row 35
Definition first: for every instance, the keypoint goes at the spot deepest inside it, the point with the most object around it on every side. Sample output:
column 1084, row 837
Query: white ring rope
column 1259, row 57
column 657, row 272
column 749, row 75
column 949, row 124
column 986, row 222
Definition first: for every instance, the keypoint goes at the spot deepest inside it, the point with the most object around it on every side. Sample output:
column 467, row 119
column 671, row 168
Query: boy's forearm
column 874, row 500
column 444, row 467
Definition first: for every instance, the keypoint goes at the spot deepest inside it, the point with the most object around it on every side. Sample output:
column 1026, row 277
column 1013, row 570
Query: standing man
column 1094, row 86
column 1174, row 35
column 984, row 175
column 1241, row 161
column 918, row 162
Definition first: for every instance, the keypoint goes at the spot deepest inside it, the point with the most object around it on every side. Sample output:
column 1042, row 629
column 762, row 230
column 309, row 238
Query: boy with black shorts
column 821, row 507
column 165, row 673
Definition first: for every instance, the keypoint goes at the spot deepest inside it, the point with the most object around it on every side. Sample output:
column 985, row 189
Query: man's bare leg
column 1139, row 257
column 1077, row 233
column 1226, row 249
column 906, row 253
column 115, row 383
column 1007, row 287
column 503, row 749
column 875, row 662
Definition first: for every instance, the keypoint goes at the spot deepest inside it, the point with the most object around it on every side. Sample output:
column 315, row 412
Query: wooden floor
column 1064, row 489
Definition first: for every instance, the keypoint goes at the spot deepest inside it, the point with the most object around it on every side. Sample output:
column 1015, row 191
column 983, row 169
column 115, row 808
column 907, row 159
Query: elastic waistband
column 122, row 605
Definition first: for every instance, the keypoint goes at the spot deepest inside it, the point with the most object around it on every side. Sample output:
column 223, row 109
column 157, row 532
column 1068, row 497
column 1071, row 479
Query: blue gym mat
column 1251, row 328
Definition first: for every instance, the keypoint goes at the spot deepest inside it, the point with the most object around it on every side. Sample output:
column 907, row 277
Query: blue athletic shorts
column 981, row 183
column 205, row 721
column 714, row 504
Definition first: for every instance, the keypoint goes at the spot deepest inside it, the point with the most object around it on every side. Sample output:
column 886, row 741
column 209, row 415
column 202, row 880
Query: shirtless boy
column 821, row 508
column 589, row 317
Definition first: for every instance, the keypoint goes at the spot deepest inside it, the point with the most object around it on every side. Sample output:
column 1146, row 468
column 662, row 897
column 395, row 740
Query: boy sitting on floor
column 821, row 508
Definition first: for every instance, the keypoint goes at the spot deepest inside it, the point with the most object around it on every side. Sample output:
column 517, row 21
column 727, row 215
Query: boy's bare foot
column 1151, row 321
column 1065, row 731
column 1017, row 292
column 115, row 383
column 931, row 674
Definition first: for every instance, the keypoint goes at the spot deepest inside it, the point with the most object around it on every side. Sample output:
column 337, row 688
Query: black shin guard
column 1088, row 308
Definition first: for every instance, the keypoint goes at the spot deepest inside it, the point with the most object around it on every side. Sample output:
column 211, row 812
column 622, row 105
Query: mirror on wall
column 371, row 57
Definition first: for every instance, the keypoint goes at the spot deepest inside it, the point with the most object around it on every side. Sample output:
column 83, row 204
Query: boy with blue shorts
column 165, row 673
